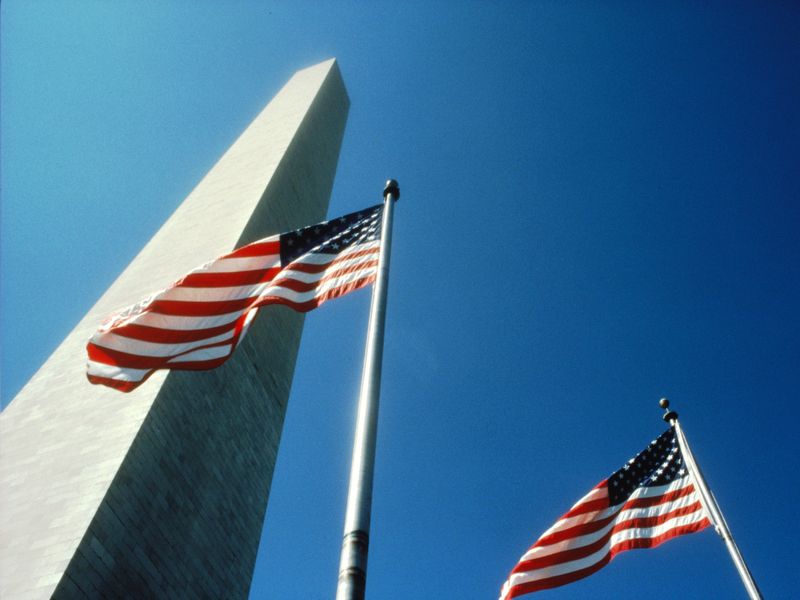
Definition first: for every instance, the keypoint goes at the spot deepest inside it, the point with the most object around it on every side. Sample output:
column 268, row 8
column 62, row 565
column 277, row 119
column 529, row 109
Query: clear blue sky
column 600, row 207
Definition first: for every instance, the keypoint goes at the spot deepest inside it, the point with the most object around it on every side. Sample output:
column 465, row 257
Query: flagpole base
column 353, row 568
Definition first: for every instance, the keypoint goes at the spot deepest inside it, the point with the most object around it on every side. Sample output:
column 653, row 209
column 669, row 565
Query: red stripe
column 126, row 360
column 200, row 365
column 559, row 580
column 186, row 308
column 122, row 386
column 158, row 335
column 266, row 248
column 233, row 279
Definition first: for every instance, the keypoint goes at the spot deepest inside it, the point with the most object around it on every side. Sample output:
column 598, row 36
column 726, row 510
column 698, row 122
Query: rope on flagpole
column 353, row 563
column 710, row 503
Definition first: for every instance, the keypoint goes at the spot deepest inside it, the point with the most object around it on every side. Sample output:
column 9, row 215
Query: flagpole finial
column 669, row 415
column 392, row 188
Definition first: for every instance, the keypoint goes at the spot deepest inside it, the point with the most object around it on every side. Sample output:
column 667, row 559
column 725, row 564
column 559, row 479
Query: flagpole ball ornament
column 669, row 415
column 392, row 188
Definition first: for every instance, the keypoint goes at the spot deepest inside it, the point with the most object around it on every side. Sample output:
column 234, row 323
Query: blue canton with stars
column 658, row 464
column 334, row 236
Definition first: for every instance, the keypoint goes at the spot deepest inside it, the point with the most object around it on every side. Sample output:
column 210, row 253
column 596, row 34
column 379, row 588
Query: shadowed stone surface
column 162, row 492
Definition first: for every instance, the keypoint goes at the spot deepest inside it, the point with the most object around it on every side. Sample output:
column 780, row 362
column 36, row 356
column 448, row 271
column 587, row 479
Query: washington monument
column 162, row 492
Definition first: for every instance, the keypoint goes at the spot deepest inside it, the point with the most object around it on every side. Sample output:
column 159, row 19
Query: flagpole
column 710, row 503
column 353, row 563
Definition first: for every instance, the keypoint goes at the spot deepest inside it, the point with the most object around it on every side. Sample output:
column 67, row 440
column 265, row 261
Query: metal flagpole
column 710, row 503
column 353, row 563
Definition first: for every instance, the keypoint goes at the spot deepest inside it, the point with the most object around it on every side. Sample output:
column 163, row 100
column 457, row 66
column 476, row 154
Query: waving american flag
column 651, row 499
column 198, row 321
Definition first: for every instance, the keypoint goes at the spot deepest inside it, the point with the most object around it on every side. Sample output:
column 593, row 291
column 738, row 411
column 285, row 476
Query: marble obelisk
column 162, row 492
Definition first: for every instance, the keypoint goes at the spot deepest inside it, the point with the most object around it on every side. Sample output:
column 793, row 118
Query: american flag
column 648, row 501
column 197, row 322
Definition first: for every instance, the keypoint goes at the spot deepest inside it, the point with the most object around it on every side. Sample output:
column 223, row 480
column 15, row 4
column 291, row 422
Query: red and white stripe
column 586, row 538
column 197, row 322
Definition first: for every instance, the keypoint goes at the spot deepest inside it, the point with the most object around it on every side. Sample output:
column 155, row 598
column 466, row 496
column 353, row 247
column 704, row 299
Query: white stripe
column 239, row 264
column 576, row 565
column 113, row 372
column 204, row 354
column 113, row 341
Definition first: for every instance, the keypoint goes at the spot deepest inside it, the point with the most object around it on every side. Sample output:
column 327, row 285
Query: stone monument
column 162, row 492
